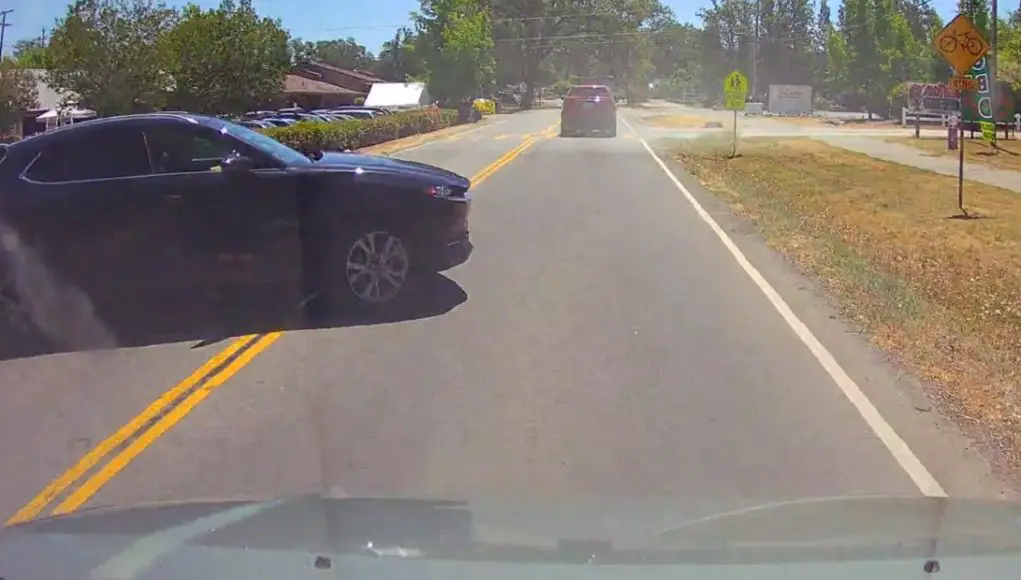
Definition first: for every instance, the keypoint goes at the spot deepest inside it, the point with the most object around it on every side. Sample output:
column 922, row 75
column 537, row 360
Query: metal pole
column 960, row 172
column 991, row 63
column 755, row 49
column 3, row 27
column 734, row 151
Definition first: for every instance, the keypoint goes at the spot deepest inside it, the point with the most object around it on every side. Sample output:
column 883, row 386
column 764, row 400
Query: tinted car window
column 107, row 153
column 262, row 145
column 182, row 148
column 588, row 92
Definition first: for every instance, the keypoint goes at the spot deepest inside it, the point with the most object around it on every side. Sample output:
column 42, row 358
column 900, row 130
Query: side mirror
column 237, row 164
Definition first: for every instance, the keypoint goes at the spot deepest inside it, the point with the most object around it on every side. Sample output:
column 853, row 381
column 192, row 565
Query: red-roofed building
column 315, row 94
column 354, row 80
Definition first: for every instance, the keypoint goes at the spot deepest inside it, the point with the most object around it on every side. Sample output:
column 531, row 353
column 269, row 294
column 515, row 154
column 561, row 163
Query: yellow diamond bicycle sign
column 961, row 44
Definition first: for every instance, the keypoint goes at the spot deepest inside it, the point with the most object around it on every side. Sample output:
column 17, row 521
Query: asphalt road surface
column 603, row 340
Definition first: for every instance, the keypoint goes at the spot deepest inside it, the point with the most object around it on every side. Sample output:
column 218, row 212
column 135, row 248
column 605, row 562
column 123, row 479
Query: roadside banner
column 977, row 105
column 790, row 99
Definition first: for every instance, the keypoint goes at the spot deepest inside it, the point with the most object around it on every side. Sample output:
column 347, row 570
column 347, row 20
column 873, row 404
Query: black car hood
column 381, row 165
column 851, row 537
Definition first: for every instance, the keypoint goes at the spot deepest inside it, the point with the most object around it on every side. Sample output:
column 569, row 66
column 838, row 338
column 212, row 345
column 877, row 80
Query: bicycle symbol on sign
column 961, row 40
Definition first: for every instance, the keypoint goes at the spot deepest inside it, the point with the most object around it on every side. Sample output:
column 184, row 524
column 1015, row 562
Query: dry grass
column 684, row 121
column 831, row 124
column 943, row 295
column 975, row 151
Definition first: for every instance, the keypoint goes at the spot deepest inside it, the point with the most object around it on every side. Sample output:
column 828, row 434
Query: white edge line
column 897, row 447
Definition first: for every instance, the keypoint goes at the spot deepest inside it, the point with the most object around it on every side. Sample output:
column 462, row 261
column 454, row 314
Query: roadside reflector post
column 953, row 126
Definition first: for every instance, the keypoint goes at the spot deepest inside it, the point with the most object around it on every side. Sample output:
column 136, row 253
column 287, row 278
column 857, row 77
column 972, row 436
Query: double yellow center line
column 124, row 445
column 495, row 166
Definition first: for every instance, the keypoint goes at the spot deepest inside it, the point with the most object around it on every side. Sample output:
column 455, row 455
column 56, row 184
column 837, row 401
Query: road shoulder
column 949, row 455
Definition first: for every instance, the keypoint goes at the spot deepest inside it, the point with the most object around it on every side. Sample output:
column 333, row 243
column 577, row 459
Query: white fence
column 907, row 117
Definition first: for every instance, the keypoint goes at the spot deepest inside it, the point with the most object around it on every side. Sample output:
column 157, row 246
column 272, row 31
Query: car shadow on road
column 205, row 322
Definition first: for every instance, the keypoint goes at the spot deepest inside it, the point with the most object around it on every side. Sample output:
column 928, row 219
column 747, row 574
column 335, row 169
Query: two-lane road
column 603, row 340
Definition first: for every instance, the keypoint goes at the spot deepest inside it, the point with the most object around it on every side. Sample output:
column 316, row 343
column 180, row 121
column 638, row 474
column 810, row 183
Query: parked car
column 587, row 109
column 276, row 122
column 301, row 116
column 142, row 208
column 255, row 123
column 360, row 113
column 377, row 110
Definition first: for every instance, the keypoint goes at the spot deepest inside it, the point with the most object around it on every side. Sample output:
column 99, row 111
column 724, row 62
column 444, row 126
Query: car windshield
column 718, row 253
column 263, row 143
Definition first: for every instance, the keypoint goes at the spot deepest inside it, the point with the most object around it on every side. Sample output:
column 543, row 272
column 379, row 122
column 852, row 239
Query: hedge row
column 311, row 136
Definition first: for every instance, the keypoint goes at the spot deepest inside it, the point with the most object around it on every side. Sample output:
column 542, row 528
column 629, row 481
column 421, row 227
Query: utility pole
column 3, row 27
column 991, row 64
column 755, row 48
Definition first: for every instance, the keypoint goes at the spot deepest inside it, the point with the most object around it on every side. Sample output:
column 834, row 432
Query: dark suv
column 589, row 108
column 143, row 209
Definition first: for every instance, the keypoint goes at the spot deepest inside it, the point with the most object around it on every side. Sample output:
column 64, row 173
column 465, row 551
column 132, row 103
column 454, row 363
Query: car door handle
column 174, row 198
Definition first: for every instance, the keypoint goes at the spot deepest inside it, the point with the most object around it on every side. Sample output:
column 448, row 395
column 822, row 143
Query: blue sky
column 370, row 22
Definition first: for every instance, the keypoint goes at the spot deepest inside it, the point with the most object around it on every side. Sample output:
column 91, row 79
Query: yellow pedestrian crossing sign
column 735, row 91
column 735, row 83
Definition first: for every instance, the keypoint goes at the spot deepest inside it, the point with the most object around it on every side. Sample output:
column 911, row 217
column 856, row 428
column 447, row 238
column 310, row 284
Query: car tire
column 370, row 268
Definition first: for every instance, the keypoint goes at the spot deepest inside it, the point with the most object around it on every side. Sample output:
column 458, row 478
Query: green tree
column 109, row 54
column 31, row 53
column 398, row 58
column 1009, row 57
column 979, row 12
column 675, row 55
column 342, row 52
column 456, row 41
column 838, row 58
column 17, row 94
column 228, row 59
column 301, row 51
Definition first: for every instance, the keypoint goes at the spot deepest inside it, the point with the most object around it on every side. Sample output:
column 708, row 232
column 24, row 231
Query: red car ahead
column 589, row 108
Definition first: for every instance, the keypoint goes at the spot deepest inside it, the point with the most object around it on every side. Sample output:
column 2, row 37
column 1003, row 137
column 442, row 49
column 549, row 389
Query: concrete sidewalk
column 907, row 155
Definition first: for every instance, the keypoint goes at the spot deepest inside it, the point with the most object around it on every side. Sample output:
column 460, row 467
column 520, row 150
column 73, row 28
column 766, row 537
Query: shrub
column 485, row 106
column 312, row 136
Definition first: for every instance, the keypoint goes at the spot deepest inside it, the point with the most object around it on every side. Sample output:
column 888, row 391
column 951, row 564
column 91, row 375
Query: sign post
column 962, row 45
column 735, row 93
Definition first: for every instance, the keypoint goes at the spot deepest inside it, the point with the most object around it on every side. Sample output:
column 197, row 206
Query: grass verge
column 943, row 295
column 683, row 121
column 835, row 123
column 975, row 151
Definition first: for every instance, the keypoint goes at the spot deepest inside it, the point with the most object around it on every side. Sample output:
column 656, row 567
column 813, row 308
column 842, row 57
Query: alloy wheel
column 377, row 267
